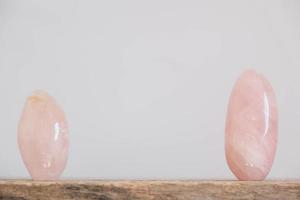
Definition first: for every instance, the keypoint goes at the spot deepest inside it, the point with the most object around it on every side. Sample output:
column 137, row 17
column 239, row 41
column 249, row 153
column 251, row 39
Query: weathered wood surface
column 188, row 190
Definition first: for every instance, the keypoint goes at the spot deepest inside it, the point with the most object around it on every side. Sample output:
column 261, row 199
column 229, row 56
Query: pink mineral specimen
column 251, row 127
column 43, row 137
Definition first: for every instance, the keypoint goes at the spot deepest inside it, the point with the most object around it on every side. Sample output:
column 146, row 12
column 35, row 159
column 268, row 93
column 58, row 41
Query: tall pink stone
column 251, row 127
column 43, row 137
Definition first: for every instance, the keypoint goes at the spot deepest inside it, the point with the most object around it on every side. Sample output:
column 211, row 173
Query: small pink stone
column 43, row 137
column 251, row 127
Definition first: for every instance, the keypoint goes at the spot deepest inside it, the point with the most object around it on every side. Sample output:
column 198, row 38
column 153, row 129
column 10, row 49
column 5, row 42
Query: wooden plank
column 146, row 190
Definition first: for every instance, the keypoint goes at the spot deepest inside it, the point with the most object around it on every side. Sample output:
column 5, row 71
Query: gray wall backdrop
column 145, row 84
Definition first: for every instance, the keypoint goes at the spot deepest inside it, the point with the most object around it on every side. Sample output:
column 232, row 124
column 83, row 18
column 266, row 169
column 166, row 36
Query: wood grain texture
column 119, row 190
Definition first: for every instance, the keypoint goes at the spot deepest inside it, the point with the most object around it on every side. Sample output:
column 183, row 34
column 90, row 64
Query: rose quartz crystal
column 43, row 137
column 251, row 127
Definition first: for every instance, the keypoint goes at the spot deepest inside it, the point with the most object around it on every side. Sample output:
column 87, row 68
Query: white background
column 145, row 84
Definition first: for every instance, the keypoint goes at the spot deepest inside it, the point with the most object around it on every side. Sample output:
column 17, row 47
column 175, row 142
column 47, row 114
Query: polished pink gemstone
column 251, row 127
column 43, row 137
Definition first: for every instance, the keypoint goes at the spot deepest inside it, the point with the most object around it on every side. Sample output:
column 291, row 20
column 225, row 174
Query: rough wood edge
column 109, row 190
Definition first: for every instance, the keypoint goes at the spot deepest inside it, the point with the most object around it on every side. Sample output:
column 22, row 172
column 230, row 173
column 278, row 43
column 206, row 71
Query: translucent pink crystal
column 251, row 127
column 43, row 137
